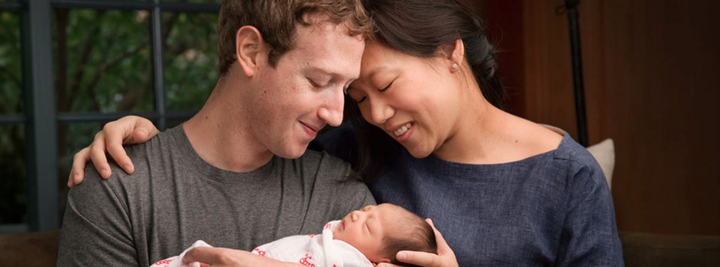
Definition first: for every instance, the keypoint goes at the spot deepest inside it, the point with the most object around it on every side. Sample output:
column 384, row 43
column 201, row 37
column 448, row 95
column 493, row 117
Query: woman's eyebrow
column 376, row 72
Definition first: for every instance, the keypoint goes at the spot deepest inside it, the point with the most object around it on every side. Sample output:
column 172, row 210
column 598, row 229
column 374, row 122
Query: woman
column 432, row 138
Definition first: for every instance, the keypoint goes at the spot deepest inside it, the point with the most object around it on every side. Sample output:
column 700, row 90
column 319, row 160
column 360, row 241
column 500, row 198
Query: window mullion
column 41, row 123
column 158, row 68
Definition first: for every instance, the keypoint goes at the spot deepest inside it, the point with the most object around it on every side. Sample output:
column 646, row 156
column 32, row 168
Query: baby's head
column 380, row 232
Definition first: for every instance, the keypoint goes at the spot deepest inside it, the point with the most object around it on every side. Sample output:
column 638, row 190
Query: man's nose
column 332, row 110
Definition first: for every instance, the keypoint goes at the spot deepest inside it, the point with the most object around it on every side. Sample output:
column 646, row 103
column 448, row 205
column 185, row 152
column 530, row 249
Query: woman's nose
column 379, row 111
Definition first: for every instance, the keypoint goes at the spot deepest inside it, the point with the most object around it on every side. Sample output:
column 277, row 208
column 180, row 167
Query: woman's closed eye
column 363, row 98
column 387, row 87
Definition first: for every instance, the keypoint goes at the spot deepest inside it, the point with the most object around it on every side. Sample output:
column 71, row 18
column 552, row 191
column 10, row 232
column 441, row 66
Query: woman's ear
column 454, row 54
column 248, row 49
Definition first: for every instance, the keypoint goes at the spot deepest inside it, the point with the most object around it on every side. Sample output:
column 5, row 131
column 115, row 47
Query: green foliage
column 10, row 74
column 191, row 67
column 13, row 175
column 13, row 181
column 102, row 62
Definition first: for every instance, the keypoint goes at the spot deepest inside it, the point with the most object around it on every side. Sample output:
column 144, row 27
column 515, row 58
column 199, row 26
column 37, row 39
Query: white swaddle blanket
column 308, row 250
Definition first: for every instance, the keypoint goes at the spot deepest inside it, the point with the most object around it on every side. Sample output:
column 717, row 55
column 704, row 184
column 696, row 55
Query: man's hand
column 225, row 257
column 445, row 256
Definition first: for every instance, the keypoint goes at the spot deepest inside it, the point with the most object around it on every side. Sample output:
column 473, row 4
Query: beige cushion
column 604, row 153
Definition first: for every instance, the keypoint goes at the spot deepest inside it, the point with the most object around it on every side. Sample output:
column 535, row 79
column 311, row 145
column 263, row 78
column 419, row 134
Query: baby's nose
column 354, row 216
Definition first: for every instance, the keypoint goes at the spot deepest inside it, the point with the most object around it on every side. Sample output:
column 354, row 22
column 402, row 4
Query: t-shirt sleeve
column 589, row 235
column 96, row 229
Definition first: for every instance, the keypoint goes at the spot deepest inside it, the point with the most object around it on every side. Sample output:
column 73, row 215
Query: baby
column 364, row 237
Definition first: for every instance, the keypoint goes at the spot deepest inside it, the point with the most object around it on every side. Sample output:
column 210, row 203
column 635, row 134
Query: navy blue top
column 551, row 209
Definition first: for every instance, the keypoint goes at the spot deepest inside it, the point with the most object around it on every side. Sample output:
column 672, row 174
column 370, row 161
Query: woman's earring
column 454, row 66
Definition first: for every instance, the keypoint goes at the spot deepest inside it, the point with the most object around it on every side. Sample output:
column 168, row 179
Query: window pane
column 191, row 62
column 13, row 184
column 71, row 138
column 10, row 68
column 103, row 60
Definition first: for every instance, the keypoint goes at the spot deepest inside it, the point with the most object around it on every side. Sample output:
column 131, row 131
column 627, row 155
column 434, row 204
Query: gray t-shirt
column 175, row 198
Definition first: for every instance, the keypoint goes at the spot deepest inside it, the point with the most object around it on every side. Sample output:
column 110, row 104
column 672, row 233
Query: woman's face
column 414, row 100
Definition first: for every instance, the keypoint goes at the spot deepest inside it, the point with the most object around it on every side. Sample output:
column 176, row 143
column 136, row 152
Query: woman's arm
column 589, row 235
column 126, row 130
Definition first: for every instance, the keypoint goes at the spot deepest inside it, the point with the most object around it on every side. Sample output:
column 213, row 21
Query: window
column 107, row 59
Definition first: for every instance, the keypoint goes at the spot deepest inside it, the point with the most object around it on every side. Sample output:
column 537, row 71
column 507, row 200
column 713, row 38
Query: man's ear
column 248, row 49
column 454, row 53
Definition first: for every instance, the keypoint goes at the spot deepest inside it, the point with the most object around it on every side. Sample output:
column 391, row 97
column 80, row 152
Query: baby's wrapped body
column 370, row 235
column 309, row 250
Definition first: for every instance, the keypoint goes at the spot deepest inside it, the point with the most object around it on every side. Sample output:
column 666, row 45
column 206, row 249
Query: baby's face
column 365, row 229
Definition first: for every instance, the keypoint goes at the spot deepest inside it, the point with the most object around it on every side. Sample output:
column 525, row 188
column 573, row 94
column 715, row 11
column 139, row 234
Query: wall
column 652, row 83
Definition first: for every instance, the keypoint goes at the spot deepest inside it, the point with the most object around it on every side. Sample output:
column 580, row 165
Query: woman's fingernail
column 401, row 256
column 128, row 168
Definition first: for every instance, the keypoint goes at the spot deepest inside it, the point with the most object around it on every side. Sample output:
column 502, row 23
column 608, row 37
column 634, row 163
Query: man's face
column 365, row 229
column 304, row 92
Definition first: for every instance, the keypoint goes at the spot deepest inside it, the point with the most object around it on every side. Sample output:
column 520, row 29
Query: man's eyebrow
column 325, row 71
column 319, row 69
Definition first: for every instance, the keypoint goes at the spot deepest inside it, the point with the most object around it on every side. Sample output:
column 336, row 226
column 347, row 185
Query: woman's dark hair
column 420, row 28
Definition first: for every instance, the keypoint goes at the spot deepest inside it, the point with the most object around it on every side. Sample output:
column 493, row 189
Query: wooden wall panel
column 663, row 87
column 651, row 76
column 652, row 82
column 504, row 20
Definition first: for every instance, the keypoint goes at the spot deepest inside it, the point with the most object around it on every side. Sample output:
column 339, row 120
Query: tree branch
column 103, row 68
column 5, row 100
column 12, row 76
column 169, row 25
column 85, row 55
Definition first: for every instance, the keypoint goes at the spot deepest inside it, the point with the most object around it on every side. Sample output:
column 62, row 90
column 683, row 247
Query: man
column 236, row 174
